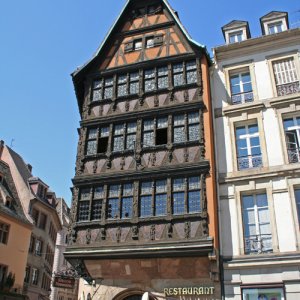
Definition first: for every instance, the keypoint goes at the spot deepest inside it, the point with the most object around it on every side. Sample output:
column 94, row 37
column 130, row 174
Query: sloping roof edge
column 178, row 22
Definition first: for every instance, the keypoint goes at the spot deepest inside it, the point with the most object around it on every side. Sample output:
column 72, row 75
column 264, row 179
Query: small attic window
column 236, row 37
column 275, row 27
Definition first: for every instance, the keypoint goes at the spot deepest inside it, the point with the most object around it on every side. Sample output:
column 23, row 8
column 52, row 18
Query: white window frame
column 235, row 35
column 275, row 25
column 293, row 129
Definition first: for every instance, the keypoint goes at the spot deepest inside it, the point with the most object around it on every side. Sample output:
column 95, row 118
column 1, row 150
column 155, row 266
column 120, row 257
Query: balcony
column 289, row 88
column 294, row 155
column 257, row 244
column 249, row 162
column 242, row 98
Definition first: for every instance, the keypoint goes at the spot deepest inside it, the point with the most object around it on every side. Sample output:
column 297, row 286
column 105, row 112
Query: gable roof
column 273, row 15
column 236, row 24
column 109, row 34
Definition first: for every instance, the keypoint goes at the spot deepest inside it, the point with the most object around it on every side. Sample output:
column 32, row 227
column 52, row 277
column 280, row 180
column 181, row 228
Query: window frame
column 4, row 233
column 99, row 135
column 275, row 26
column 236, row 34
column 184, row 71
column 124, row 136
column 35, row 276
column 295, row 130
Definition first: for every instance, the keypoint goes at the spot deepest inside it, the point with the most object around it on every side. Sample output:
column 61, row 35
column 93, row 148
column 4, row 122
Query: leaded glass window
column 193, row 124
column 119, row 137
column 97, row 203
column 178, row 196
column 194, row 194
column 97, row 90
column 91, row 147
column 84, row 205
column 127, row 199
column 113, row 202
column 146, row 199
column 108, row 88
column 150, row 42
column 131, row 135
column 134, row 85
column 161, row 198
column 122, row 85
column 178, row 74
column 179, row 129
column 162, row 78
column 148, row 134
column 149, row 80
column 191, row 72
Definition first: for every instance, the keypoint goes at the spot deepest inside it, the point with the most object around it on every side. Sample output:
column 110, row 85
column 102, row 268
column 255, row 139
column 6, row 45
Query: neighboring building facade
column 61, row 266
column 15, row 232
column 144, row 215
column 256, row 95
column 38, row 204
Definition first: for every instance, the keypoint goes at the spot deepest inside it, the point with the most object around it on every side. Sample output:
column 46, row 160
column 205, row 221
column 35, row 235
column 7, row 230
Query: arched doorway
column 131, row 294
column 133, row 297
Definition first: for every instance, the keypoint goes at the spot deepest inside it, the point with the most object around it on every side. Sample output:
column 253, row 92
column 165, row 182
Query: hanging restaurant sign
column 64, row 282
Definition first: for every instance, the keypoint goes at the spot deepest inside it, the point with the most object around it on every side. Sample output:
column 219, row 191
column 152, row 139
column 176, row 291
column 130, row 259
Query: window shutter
column 129, row 47
column 158, row 40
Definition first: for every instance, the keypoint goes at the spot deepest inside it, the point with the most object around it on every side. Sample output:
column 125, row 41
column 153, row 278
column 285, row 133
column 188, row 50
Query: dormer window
column 236, row 37
column 275, row 27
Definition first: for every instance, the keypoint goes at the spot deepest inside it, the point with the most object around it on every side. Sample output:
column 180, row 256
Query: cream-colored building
column 256, row 96
column 15, row 231
column 38, row 205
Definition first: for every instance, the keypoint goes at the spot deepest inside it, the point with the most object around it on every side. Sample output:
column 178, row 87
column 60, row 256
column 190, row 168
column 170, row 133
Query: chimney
column 29, row 166
column 1, row 148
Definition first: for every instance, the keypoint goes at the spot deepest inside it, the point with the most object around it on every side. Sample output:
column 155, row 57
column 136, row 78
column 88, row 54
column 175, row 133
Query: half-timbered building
column 144, row 204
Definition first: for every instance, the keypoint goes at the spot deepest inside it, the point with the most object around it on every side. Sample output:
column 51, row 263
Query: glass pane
column 150, row 42
column 179, row 135
column 148, row 139
column 113, row 208
column 146, row 206
column 149, row 85
column 130, row 141
column 236, row 89
column 148, row 125
column 242, row 143
column 191, row 65
column 119, row 129
column 161, row 186
column 92, row 133
column 246, row 77
column 91, row 148
column 114, row 190
column 134, row 88
column 134, row 76
column 97, row 84
column 109, row 81
column 122, row 79
column 163, row 82
column 146, row 187
column 265, row 229
column 131, row 127
column 178, row 68
column 83, row 211
column 126, row 207
column 161, row 205
column 194, row 183
column 85, row 194
column 255, row 151
column 194, row 132
column 254, row 141
column 149, row 73
column 162, row 122
column 240, row 131
column 191, row 77
column 97, row 95
column 253, row 128
column 247, row 87
column 248, row 202
column 162, row 71
column 178, row 203
column 122, row 90
column 249, row 217
column 263, row 215
column 288, row 123
column 128, row 189
column 194, row 201
column 108, row 92
column 193, row 117
column 178, row 79
column 104, row 131
column 96, row 209
column 99, row 192
column 178, row 184
column 261, row 200
column 119, row 143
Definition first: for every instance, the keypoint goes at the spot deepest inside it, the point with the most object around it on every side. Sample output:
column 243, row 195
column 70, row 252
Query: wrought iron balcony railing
column 249, row 162
column 288, row 88
column 256, row 244
column 294, row 155
column 242, row 98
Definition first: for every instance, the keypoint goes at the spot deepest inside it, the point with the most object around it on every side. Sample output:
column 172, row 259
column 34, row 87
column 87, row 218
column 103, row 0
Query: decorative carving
column 88, row 236
column 101, row 110
column 103, row 234
column 186, row 96
column 152, row 159
column 135, row 233
column 171, row 96
column 152, row 232
column 108, row 162
column 156, row 100
column 114, row 105
column 81, row 271
column 141, row 101
column 187, row 230
column 95, row 165
column 122, row 162
column 170, row 230
column 186, row 155
column 127, row 106
column 118, row 234
column 73, row 236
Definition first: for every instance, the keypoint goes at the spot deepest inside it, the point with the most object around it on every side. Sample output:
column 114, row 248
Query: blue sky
column 42, row 42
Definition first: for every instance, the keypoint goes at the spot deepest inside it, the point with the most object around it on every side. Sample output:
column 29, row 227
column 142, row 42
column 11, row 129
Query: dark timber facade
column 144, row 205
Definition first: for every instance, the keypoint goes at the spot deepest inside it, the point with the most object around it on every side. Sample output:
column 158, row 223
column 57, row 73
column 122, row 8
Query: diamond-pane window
column 149, row 80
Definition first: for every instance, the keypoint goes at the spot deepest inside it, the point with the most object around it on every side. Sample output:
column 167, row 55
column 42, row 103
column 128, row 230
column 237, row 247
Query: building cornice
column 257, row 45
